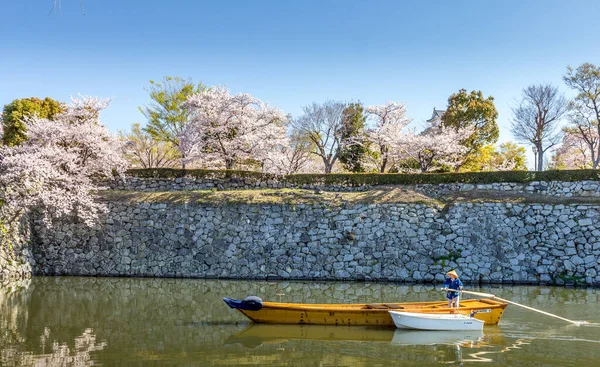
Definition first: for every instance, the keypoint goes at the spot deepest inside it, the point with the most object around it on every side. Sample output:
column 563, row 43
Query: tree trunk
column 540, row 157
column 328, row 162
column 384, row 151
column 229, row 163
column 383, row 164
column 423, row 165
column 182, row 161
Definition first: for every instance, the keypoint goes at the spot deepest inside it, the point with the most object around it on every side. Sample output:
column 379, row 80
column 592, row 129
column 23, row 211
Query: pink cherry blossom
column 574, row 152
column 437, row 144
column 229, row 129
column 389, row 120
column 53, row 169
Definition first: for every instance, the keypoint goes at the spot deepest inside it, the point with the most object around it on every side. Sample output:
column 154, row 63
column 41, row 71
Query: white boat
column 435, row 321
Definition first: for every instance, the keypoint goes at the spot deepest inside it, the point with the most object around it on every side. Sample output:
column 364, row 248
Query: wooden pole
column 489, row 295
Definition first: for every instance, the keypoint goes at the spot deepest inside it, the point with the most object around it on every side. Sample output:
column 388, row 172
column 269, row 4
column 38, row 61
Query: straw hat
column 452, row 272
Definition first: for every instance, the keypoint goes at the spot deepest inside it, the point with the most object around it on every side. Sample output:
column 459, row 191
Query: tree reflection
column 54, row 353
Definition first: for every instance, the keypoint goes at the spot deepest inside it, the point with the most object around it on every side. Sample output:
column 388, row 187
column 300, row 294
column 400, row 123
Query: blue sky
column 291, row 53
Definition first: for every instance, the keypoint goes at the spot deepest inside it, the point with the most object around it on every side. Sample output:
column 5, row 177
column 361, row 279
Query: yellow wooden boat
column 372, row 314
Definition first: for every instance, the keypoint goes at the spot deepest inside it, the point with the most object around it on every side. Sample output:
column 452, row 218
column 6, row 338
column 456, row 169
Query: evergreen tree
column 15, row 113
column 353, row 153
column 473, row 111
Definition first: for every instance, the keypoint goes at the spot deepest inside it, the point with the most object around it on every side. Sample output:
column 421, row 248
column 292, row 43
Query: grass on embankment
column 272, row 196
column 380, row 195
column 493, row 196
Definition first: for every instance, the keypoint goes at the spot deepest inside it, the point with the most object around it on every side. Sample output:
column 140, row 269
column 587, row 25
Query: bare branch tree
column 536, row 120
column 322, row 123
column 57, row 5
column 585, row 108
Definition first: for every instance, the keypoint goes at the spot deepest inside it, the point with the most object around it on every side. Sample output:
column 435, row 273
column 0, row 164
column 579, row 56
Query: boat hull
column 366, row 314
column 435, row 321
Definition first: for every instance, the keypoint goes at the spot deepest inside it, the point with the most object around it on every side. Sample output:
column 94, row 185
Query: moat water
column 73, row 321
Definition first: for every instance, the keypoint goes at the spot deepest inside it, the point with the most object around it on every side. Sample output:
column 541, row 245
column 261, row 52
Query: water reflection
column 86, row 321
column 54, row 353
column 255, row 335
column 447, row 347
column 427, row 337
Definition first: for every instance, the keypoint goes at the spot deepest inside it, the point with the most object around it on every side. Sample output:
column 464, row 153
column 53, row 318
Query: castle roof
column 436, row 114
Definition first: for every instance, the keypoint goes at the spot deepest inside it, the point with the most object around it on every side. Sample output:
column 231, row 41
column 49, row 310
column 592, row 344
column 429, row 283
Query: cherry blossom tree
column 229, row 129
column 574, row 152
column 53, row 169
column 435, row 145
column 390, row 120
column 291, row 157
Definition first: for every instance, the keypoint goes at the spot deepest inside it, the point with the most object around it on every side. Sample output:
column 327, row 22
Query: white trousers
column 455, row 300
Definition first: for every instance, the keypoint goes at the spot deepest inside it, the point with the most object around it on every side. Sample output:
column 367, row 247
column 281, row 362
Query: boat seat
column 394, row 307
column 376, row 307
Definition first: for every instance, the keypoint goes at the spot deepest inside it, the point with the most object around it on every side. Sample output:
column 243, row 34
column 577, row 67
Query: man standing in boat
column 453, row 283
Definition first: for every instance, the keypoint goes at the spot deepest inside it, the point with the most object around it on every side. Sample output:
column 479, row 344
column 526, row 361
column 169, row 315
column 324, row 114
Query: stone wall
column 15, row 253
column 485, row 242
column 552, row 188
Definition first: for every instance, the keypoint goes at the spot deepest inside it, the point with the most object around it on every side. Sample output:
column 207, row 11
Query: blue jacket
column 452, row 284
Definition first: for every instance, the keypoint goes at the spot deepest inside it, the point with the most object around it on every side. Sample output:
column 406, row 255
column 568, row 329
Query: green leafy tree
column 511, row 157
column 473, row 111
column 352, row 155
column 480, row 160
column 15, row 113
column 166, row 116
column 507, row 157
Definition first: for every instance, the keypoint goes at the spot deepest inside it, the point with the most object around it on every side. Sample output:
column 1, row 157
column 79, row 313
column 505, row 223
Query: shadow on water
column 111, row 321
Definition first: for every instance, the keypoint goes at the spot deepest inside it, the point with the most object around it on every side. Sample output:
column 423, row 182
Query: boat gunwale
column 362, row 307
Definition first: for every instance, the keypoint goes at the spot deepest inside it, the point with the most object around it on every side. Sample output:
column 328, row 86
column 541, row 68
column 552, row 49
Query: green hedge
column 198, row 173
column 373, row 179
